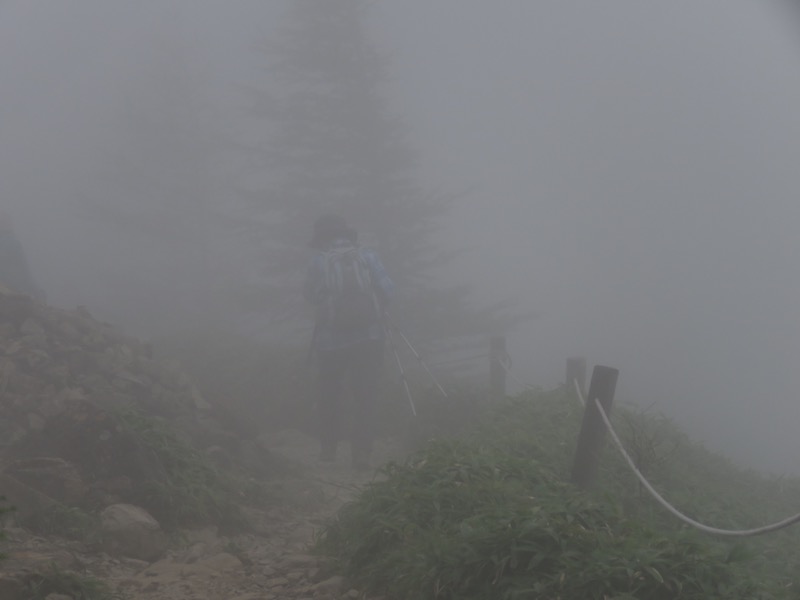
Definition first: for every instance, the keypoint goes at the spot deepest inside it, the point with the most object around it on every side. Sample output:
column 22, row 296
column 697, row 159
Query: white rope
column 580, row 393
column 728, row 532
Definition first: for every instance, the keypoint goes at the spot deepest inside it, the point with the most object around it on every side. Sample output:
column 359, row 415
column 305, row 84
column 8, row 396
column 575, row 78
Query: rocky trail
column 273, row 561
column 105, row 454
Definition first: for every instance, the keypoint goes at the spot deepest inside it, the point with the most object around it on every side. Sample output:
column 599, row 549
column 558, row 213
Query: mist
column 632, row 176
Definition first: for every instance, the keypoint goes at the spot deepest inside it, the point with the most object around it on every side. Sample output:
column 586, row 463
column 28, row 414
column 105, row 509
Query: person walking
column 350, row 290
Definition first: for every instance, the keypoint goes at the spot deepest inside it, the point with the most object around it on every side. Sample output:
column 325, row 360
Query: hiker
column 350, row 289
column 14, row 272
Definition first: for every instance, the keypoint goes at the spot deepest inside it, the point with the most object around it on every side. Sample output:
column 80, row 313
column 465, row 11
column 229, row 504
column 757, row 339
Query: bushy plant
column 188, row 490
column 65, row 521
column 489, row 516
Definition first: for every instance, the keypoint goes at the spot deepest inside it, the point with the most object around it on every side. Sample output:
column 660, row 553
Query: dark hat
column 329, row 227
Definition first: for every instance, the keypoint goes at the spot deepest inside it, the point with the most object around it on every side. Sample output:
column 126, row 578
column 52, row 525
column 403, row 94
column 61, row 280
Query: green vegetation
column 65, row 521
column 489, row 515
column 188, row 490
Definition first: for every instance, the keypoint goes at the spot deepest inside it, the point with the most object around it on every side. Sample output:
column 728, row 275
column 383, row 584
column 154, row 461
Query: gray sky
column 634, row 167
column 640, row 165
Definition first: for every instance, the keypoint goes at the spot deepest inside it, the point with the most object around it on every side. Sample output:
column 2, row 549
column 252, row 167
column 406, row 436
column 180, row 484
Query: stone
column 332, row 585
column 13, row 587
column 131, row 531
column 299, row 560
column 32, row 327
column 220, row 562
column 277, row 582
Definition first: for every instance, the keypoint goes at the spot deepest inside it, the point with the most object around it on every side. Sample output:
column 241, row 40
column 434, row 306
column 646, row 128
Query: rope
column 696, row 524
column 580, row 393
column 501, row 360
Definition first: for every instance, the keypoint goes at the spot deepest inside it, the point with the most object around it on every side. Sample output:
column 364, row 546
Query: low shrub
column 489, row 515
column 189, row 490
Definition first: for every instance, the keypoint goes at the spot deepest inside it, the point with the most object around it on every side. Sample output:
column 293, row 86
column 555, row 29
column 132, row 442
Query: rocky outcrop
column 65, row 379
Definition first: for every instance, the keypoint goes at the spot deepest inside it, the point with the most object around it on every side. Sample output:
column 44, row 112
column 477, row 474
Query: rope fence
column 505, row 362
column 688, row 520
column 501, row 358
column 579, row 392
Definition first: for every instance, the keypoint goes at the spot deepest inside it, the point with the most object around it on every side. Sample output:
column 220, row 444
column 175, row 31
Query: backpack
column 352, row 304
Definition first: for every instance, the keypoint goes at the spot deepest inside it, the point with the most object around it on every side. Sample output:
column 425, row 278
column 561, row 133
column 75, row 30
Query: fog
column 632, row 172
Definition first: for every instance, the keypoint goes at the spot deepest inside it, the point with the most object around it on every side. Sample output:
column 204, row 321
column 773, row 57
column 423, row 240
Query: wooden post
column 497, row 373
column 576, row 369
column 593, row 430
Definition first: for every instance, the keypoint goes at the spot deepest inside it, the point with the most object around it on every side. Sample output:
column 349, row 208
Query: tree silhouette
column 332, row 143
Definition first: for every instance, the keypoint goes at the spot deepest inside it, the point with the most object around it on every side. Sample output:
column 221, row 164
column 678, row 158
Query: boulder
column 131, row 531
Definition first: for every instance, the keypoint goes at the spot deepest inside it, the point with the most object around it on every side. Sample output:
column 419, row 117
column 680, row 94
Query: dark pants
column 359, row 365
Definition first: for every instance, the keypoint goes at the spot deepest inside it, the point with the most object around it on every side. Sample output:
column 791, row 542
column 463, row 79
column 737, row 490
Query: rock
column 33, row 558
column 299, row 561
column 277, row 582
column 13, row 587
column 134, row 563
column 32, row 327
column 131, row 531
column 333, row 585
column 220, row 562
column 57, row 597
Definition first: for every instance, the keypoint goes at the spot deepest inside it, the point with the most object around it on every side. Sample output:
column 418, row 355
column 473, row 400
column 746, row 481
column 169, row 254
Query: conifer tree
column 333, row 143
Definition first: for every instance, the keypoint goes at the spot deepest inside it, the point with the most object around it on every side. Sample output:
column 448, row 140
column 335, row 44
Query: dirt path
column 271, row 562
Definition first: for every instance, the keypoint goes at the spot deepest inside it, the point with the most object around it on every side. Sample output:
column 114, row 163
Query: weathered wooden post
column 497, row 372
column 593, row 430
column 576, row 371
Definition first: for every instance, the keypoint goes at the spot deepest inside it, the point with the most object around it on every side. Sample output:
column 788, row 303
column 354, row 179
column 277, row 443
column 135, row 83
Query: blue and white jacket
column 315, row 292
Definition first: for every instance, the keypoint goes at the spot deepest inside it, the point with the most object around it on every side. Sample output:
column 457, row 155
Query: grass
column 189, row 490
column 489, row 515
column 64, row 521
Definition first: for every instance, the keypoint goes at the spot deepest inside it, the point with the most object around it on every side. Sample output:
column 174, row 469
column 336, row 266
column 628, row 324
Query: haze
column 632, row 167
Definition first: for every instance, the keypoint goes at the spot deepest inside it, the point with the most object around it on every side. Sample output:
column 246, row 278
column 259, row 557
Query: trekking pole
column 402, row 370
column 416, row 355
